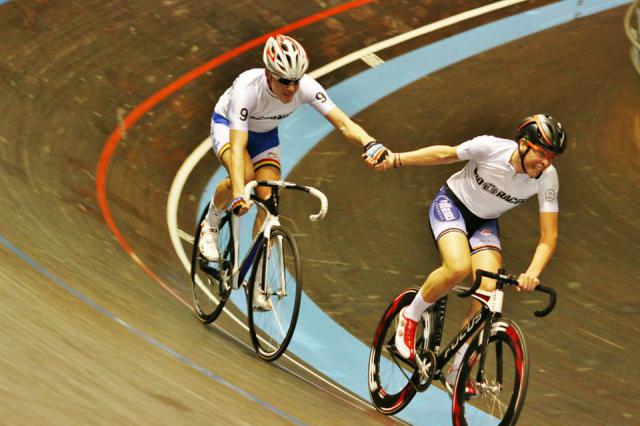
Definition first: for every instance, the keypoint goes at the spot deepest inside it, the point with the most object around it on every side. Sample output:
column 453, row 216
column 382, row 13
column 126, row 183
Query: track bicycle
column 491, row 384
column 270, row 271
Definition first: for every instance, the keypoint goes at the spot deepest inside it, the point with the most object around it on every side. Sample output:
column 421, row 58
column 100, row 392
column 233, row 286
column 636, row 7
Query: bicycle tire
column 272, row 330
column 506, row 373
column 391, row 378
column 210, row 274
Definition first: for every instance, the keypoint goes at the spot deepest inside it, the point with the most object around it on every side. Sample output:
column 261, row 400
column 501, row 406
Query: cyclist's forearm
column 547, row 243
column 542, row 256
column 357, row 135
column 351, row 130
column 237, row 172
column 428, row 156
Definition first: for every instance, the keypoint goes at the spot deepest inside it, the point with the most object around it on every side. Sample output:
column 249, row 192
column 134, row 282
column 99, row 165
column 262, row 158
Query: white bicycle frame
column 265, row 229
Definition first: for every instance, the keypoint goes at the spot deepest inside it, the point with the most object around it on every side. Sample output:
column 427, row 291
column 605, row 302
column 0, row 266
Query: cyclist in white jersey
column 244, row 129
column 498, row 176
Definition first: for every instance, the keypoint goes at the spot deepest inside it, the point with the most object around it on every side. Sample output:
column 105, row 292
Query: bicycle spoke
column 395, row 358
column 282, row 288
column 208, row 278
column 496, row 396
column 272, row 326
column 278, row 322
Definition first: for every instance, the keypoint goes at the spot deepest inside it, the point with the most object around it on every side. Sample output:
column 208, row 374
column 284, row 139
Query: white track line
column 412, row 34
column 205, row 146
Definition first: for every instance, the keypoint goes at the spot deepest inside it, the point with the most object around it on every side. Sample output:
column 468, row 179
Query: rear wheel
column 208, row 278
column 392, row 380
column 496, row 397
column 279, row 282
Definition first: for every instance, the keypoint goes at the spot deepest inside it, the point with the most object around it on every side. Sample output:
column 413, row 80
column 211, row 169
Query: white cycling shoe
column 406, row 336
column 260, row 301
column 208, row 244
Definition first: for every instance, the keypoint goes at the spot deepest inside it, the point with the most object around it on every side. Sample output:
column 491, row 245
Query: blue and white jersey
column 488, row 185
column 250, row 105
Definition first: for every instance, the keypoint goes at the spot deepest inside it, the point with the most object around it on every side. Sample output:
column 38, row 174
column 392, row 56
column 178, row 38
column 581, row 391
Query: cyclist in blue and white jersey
column 499, row 175
column 244, row 129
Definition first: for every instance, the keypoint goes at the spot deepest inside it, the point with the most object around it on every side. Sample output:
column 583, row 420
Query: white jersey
column 488, row 185
column 249, row 104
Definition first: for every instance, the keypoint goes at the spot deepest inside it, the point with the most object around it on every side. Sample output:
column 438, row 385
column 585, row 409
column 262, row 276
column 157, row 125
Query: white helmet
column 285, row 57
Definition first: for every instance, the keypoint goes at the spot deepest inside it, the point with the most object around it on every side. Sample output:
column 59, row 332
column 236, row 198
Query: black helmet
column 544, row 131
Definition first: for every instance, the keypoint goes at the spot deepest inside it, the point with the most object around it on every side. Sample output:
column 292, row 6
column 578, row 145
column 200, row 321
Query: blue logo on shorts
column 445, row 210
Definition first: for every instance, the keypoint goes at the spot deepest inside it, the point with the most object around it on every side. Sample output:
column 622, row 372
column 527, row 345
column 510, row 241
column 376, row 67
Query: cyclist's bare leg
column 456, row 266
column 489, row 260
column 223, row 192
column 264, row 192
column 221, row 197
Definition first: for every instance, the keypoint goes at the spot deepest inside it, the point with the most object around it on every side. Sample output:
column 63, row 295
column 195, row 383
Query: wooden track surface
column 69, row 70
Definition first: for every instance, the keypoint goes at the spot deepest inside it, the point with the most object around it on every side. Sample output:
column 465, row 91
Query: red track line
column 139, row 111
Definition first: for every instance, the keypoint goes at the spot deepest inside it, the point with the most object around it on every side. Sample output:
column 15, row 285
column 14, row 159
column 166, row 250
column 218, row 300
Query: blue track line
column 180, row 357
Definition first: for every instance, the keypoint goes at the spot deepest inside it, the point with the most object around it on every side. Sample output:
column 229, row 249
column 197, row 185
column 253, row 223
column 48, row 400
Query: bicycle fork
column 494, row 305
column 273, row 250
column 282, row 287
column 433, row 320
column 484, row 337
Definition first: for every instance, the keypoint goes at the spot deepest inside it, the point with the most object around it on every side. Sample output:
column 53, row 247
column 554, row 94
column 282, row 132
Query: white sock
column 458, row 359
column 214, row 216
column 416, row 308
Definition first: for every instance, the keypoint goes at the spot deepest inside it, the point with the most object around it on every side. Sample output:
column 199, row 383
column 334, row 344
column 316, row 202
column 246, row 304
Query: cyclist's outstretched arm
column 351, row 130
column 373, row 151
column 428, row 156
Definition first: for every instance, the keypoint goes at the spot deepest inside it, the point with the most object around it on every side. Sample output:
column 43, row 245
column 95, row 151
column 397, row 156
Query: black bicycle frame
column 482, row 318
column 439, row 310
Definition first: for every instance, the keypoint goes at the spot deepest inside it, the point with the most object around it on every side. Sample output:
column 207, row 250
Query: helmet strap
column 269, row 76
column 522, row 155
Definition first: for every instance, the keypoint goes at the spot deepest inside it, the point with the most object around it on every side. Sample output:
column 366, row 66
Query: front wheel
column 277, row 282
column 392, row 380
column 496, row 394
column 210, row 279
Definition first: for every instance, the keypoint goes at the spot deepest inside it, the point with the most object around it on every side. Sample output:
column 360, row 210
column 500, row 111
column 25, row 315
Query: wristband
column 396, row 160
column 376, row 152
column 235, row 203
column 368, row 145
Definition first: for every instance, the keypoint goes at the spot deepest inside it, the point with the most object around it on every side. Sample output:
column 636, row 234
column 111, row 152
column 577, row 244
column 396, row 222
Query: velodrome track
column 94, row 306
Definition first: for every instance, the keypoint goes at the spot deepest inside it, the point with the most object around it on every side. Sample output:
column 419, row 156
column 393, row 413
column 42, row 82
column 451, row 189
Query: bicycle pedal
column 396, row 355
column 426, row 368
